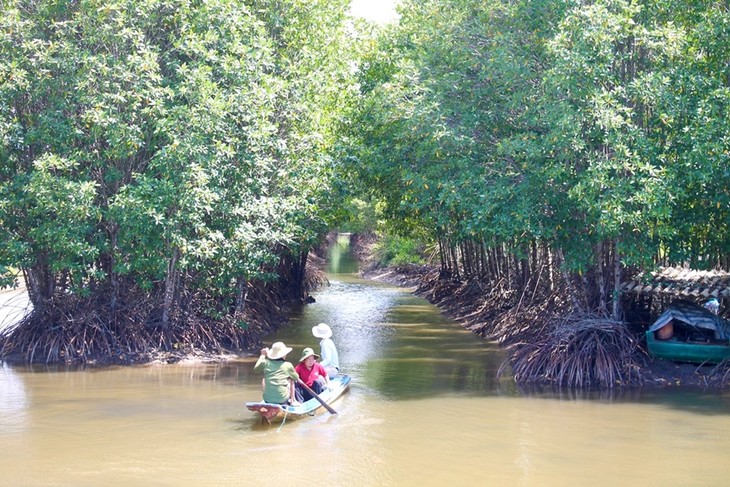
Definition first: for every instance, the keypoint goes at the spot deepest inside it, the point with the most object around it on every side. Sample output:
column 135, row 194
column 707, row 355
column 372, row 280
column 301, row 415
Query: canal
column 425, row 409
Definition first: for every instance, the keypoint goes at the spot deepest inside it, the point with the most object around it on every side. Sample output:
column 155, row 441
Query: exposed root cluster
column 76, row 341
column 85, row 331
column 578, row 351
column 547, row 344
column 575, row 350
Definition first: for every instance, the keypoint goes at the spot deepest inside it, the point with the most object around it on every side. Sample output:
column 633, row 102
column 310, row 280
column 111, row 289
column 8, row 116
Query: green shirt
column 276, row 376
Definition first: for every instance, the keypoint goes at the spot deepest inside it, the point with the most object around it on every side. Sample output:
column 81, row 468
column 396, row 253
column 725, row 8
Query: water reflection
column 395, row 343
column 689, row 399
column 340, row 258
column 13, row 401
column 425, row 409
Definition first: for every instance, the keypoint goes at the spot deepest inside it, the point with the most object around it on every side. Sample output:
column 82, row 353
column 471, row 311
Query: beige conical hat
column 278, row 350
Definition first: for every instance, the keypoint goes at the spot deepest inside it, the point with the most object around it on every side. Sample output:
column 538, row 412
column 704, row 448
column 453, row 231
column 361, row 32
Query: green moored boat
column 685, row 351
column 687, row 332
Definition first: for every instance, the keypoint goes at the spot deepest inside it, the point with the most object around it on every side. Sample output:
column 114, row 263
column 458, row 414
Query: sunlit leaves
column 47, row 216
column 569, row 123
column 193, row 133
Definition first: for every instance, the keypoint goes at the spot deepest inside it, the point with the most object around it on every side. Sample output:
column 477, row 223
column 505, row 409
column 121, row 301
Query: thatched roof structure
column 681, row 283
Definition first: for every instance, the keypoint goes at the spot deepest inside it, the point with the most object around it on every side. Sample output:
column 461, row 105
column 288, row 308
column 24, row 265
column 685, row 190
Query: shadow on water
column 395, row 345
column 400, row 347
column 690, row 399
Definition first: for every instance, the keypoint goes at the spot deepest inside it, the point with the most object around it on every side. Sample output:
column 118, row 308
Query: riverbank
column 130, row 343
column 470, row 309
column 467, row 303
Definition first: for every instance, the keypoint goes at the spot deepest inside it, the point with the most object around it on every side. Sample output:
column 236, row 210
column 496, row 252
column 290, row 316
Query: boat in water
column 280, row 412
column 684, row 351
column 688, row 332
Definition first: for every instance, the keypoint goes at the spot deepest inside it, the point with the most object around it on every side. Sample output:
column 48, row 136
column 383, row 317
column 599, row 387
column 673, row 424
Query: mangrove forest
column 170, row 170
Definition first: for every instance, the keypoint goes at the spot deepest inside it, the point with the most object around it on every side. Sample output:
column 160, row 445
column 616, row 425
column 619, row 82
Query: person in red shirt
column 311, row 373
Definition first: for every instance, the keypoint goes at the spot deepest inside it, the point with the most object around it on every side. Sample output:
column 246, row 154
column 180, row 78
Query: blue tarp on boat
column 693, row 315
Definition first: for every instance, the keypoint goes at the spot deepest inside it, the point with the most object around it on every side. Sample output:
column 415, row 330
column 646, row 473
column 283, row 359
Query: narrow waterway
column 425, row 409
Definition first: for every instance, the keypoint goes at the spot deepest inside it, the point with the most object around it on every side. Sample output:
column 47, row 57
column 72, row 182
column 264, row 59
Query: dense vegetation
column 552, row 140
column 551, row 150
column 162, row 160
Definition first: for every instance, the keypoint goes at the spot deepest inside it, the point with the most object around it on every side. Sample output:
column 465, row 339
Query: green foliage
column 49, row 220
column 394, row 250
column 576, row 126
column 362, row 217
column 177, row 145
column 193, row 144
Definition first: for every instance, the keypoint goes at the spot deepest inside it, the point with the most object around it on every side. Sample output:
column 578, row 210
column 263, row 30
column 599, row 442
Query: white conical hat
column 322, row 331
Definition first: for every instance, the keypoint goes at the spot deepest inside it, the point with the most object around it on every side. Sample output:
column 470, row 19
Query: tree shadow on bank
column 550, row 345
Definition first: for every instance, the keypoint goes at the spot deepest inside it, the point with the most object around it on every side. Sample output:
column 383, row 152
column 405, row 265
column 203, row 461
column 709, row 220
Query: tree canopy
column 181, row 152
column 171, row 147
column 597, row 131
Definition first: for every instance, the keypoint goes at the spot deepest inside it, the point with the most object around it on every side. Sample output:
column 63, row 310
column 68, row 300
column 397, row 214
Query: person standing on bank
column 330, row 360
column 279, row 375
column 312, row 374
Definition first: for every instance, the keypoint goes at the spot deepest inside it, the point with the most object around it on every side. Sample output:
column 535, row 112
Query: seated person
column 278, row 374
column 330, row 358
column 312, row 374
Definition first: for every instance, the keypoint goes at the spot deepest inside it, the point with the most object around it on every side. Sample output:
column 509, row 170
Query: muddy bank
column 83, row 332
column 474, row 307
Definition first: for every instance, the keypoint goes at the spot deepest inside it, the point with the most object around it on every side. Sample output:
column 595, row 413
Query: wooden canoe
column 279, row 412
column 712, row 352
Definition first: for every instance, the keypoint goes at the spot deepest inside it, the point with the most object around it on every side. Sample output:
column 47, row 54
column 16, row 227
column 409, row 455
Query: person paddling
column 279, row 375
column 330, row 360
column 312, row 374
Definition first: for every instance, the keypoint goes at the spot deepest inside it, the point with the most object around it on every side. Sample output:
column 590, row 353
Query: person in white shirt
column 330, row 360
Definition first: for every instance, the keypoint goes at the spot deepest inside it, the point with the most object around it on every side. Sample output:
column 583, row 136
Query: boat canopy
column 693, row 315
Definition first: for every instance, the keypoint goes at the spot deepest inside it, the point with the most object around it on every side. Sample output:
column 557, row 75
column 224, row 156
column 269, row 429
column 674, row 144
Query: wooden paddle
column 309, row 389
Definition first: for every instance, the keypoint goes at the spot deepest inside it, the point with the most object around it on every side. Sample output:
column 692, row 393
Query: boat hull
column 279, row 412
column 692, row 352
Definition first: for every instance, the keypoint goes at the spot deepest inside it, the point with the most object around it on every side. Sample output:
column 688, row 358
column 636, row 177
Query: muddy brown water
column 425, row 409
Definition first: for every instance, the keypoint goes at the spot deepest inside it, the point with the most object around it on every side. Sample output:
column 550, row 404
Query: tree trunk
column 34, row 290
column 569, row 282
column 40, row 283
column 551, row 267
column 170, row 281
column 114, row 277
column 616, row 308
column 241, row 293
column 601, row 278
column 442, row 255
column 302, row 273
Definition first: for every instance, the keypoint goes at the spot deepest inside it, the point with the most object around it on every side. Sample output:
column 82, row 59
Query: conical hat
column 322, row 331
column 278, row 350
